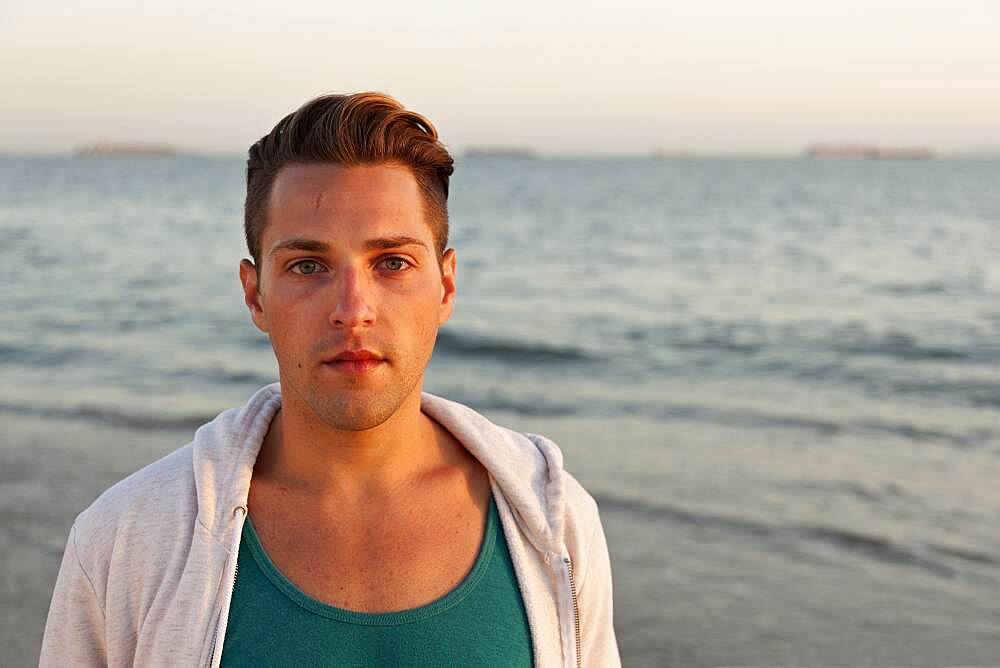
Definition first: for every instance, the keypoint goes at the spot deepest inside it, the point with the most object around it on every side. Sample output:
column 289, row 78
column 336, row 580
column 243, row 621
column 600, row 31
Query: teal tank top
column 481, row 622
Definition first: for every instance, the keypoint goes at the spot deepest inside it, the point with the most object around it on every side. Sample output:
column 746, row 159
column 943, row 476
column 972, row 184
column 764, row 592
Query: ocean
column 780, row 379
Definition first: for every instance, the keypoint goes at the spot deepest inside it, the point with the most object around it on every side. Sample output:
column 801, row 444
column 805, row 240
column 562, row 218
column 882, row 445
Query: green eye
column 307, row 267
column 395, row 263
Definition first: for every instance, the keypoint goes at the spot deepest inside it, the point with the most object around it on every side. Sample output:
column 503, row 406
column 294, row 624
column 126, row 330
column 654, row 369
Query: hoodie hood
column 527, row 468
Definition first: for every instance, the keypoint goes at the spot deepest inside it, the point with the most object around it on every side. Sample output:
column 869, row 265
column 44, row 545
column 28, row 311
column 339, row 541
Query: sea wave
column 224, row 375
column 108, row 416
column 700, row 413
column 942, row 560
column 906, row 347
column 755, row 338
column 41, row 356
column 506, row 350
column 982, row 394
column 532, row 406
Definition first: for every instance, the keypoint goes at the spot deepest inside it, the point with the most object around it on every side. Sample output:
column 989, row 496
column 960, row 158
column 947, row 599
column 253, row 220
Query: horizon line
column 523, row 153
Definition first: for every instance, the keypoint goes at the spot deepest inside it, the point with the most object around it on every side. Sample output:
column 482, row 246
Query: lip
column 360, row 355
column 354, row 361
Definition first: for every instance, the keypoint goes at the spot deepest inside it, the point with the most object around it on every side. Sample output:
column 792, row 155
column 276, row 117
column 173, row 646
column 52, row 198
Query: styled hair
column 350, row 130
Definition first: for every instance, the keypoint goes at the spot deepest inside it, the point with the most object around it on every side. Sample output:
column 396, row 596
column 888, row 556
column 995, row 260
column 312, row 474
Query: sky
column 706, row 76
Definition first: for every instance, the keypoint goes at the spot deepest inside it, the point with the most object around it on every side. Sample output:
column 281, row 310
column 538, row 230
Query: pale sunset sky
column 708, row 76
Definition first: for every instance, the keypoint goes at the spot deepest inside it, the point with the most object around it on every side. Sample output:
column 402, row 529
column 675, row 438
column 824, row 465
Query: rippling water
column 781, row 379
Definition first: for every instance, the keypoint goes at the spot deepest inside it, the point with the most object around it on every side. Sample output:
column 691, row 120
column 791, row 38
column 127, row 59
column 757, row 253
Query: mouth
column 354, row 362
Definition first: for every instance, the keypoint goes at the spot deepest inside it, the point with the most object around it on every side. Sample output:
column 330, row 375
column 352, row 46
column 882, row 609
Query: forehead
column 349, row 202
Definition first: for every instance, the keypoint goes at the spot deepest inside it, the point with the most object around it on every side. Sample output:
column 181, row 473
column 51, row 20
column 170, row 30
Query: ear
column 448, row 287
column 251, row 293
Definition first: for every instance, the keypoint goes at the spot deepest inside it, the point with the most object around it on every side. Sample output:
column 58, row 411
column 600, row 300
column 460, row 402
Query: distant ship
column 116, row 148
column 867, row 151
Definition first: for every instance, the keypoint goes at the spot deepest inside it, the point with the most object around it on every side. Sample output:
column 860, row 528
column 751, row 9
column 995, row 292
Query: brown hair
column 360, row 129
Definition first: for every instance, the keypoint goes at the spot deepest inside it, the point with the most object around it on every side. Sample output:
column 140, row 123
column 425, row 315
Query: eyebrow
column 316, row 246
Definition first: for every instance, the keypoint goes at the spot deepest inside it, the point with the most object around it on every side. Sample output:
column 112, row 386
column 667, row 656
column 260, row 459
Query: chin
column 352, row 411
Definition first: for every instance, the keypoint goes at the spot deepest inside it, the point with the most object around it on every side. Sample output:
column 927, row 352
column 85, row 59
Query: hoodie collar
column 526, row 467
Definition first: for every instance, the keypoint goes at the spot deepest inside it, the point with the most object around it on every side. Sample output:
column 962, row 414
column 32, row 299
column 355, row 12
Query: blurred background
column 740, row 260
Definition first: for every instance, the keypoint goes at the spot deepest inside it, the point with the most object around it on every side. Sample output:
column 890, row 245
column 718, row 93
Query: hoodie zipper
column 215, row 656
column 562, row 566
column 576, row 612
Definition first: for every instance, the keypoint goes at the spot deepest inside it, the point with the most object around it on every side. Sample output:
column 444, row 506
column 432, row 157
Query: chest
column 481, row 622
column 372, row 559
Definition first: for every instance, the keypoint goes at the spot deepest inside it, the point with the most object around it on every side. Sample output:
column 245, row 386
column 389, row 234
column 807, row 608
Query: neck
column 302, row 453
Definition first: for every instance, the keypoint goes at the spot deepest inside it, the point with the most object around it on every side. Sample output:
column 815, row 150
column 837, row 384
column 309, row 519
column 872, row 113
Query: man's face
column 348, row 264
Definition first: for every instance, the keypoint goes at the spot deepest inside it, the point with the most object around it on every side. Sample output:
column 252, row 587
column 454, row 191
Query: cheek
column 410, row 321
column 289, row 331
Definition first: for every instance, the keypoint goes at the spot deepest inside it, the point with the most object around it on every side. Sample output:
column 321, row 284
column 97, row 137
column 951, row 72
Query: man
column 342, row 516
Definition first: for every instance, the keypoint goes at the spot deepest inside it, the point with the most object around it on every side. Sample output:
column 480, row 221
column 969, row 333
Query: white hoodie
column 149, row 567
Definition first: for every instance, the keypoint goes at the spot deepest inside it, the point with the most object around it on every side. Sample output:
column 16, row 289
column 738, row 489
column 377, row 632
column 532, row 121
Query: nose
column 352, row 303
